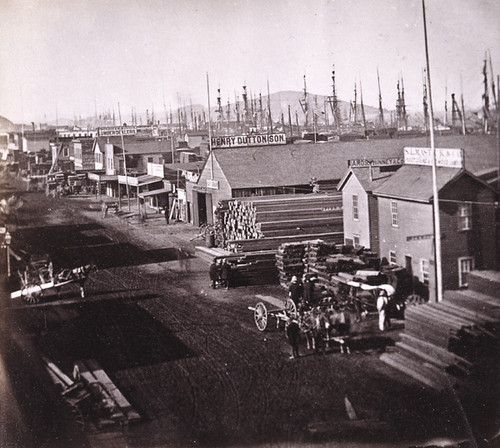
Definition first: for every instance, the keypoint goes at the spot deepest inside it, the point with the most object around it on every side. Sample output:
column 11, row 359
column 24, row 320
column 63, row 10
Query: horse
column 323, row 324
column 76, row 275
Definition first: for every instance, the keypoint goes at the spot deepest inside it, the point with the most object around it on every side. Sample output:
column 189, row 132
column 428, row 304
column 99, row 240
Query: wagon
column 261, row 314
column 39, row 276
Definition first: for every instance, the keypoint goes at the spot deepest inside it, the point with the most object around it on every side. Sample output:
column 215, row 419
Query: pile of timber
column 252, row 268
column 263, row 223
column 289, row 261
column 453, row 343
column 317, row 258
column 92, row 396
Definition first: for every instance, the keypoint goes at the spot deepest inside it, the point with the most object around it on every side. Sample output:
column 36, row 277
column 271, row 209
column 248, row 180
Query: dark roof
column 135, row 145
column 284, row 165
column 363, row 175
column 414, row 182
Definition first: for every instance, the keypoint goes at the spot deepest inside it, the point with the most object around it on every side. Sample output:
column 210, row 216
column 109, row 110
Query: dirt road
column 190, row 358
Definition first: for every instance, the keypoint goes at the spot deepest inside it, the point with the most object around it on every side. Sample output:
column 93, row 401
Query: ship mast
column 333, row 102
column 486, row 98
column 270, row 126
column 245, row 108
column 304, row 105
column 380, row 108
column 363, row 109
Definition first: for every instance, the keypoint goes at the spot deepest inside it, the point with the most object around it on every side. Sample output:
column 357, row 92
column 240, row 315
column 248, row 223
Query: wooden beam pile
column 278, row 219
column 252, row 268
column 316, row 261
column 289, row 261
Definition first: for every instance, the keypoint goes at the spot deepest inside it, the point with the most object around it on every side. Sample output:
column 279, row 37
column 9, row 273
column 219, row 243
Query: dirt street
column 190, row 359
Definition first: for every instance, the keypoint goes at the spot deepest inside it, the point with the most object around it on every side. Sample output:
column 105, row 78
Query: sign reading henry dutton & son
column 450, row 158
column 238, row 141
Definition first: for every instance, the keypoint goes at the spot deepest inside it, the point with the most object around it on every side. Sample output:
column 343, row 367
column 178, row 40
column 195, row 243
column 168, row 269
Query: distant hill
column 7, row 125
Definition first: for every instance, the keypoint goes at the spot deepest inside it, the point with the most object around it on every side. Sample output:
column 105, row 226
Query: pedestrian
column 225, row 273
column 214, row 273
column 104, row 210
column 293, row 336
column 382, row 305
column 295, row 290
column 308, row 285
column 165, row 210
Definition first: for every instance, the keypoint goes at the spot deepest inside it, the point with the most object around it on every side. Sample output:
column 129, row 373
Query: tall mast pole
column 210, row 155
column 270, row 126
column 124, row 158
column 380, row 108
column 363, row 108
column 437, row 226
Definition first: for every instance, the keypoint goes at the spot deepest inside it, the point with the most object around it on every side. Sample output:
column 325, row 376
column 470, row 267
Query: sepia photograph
column 249, row 224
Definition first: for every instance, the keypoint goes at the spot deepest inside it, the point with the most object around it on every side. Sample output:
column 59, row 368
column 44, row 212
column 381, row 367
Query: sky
column 70, row 58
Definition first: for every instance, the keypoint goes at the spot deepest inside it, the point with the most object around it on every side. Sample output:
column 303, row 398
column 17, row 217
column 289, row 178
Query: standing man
column 295, row 291
column 293, row 336
column 225, row 273
column 382, row 304
column 104, row 210
column 165, row 210
column 214, row 273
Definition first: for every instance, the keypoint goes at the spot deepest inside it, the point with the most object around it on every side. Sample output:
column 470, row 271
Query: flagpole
column 437, row 226
column 210, row 133
column 124, row 159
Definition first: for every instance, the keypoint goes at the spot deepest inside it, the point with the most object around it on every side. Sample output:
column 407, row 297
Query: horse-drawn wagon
column 39, row 276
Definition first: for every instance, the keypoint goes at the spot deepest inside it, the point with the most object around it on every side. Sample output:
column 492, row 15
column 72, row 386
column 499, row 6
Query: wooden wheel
column 32, row 293
column 260, row 316
column 290, row 308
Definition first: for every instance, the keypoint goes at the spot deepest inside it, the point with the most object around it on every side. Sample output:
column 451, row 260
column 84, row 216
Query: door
column 465, row 265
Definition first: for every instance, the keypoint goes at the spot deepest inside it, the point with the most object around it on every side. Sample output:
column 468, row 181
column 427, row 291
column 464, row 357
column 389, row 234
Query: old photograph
column 249, row 223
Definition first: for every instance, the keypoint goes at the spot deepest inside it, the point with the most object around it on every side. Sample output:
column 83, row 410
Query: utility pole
column 437, row 226
column 124, row 160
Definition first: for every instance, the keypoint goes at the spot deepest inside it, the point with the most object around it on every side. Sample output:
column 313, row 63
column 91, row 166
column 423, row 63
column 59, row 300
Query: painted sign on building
column 445, row 157
column 156, row 169
column 238, row 141
column 212, row 183
column 116, row 131
column 359, row 163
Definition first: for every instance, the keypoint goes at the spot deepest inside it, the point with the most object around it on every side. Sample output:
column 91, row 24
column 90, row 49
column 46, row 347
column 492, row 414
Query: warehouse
column 467, row 216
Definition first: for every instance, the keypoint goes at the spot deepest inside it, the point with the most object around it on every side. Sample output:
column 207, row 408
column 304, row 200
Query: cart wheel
column 32, row 293
column 260, row 316
column 290, row 308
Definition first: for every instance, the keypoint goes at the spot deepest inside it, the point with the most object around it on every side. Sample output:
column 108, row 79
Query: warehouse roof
column 414, row 182
column 286, row 165
column 367, row 181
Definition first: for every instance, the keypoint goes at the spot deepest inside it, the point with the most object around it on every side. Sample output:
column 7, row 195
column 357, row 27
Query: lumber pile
column 452, row 343
column 277, row 219
column 289, row 261
column 92, row 396
column 253, row 268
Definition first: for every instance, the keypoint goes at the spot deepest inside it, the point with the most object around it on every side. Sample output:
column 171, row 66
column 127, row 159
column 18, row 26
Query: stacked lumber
column 318, row 258
column 252, row 268
column 272, row 218
column 289, row 261
column 454, row 342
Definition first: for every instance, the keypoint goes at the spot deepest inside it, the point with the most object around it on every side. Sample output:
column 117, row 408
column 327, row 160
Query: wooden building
column 467, row 216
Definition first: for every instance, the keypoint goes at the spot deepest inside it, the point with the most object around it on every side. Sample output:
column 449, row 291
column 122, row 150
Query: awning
column 155, row 192
column 101, row 177
column 140, row 180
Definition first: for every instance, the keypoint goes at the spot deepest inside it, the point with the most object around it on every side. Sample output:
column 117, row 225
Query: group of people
column 302, row 292
column 219, row 273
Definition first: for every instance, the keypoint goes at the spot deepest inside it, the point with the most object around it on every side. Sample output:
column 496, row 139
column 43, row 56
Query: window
column 65, row 151
column 392, row 257
column 394, row 213
column 356, row 240
column 355, row 207
column 424, row 271
column 465, row 265
column 465, row 216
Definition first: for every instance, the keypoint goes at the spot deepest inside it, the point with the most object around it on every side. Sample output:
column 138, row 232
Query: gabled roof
column 363, row 176
column 414, row 182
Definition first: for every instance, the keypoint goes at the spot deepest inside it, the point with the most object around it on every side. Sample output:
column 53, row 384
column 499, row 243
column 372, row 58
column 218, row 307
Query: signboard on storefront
column 238, row 141
column 156, row 169
column 212, row 183
column 359, row 163
column 116, row 131
column 445, row 157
